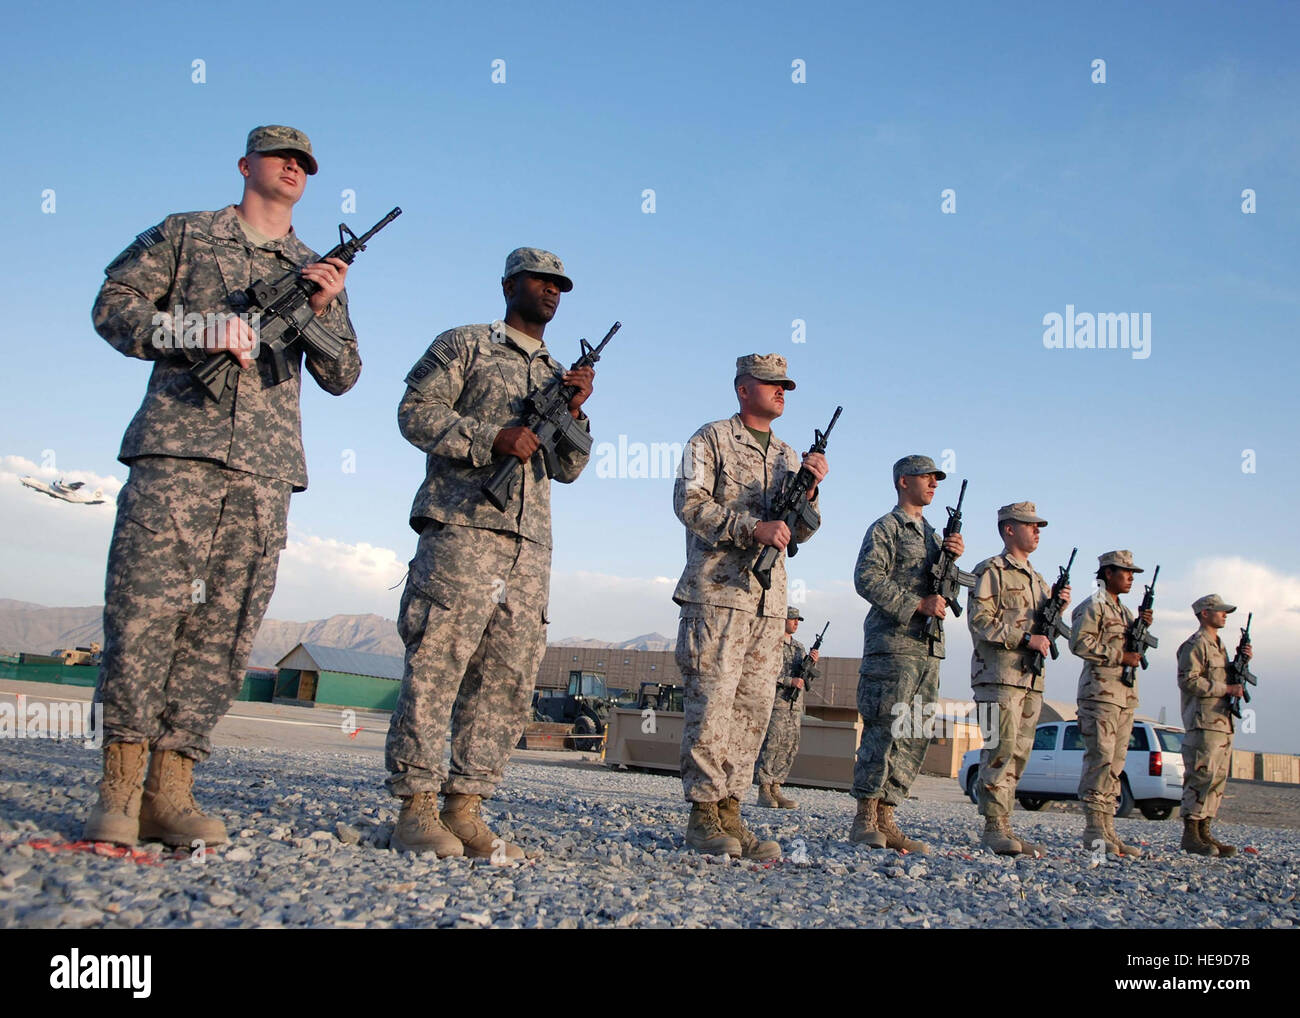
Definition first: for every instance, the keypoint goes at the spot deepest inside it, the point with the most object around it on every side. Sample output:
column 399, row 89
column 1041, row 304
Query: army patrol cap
column 766, row 367
column 1020, row 512
column 913, row 466
column 277, row 138
column 1212, row 603
column 793, row 613
column 534, row 259
column 1123, row 559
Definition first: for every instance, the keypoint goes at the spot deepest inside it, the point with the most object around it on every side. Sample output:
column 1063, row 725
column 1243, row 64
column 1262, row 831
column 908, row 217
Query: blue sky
column 774, row 201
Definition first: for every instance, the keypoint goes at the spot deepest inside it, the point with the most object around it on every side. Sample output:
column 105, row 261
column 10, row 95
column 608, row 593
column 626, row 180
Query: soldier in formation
column 202, row 517
column 473, row 612
column 729, row 636
column 899, row 660
column 1001, row 611
column 1105, row 703
column 1204, row 688
column 781, row 744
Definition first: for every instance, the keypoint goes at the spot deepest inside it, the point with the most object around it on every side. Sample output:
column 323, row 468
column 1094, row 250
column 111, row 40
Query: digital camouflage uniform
column 898, row 660
column 729, row 636
column 201, row 520
column 1000, row 615
column 473, row 613
column 1207, row 746
column 1105, row 704
column 781, row 744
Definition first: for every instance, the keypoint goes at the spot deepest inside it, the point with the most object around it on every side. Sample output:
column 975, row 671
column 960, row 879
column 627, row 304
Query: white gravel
column 309, row 836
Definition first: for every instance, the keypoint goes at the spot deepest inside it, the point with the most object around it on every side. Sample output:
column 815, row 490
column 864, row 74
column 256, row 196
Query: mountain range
column 39, row 629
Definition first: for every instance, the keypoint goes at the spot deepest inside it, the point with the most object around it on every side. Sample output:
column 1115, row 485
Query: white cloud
column 320, row 577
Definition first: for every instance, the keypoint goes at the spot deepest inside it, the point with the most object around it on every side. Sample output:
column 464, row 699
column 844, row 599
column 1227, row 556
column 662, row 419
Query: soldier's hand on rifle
column 933, row 605
column 1147, row 616
column 815, row 655
column 1040, row 643
column 1131, row 659
column 1236, row 690
column 815, row 464
column 1065, row 596
column 582, row 379
column 329, row 275
column 233, row 333
column 798, row 684
column 954, row 544
column 518, row 442
column 1247, row 652
column 774, row 534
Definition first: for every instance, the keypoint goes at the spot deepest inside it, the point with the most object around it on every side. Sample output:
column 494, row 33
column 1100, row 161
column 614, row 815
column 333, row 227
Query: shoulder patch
column 149, row 238
column 142, row 243
column 437, row 358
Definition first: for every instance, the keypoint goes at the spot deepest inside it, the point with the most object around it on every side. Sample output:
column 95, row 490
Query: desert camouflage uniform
column 899, row 661
column 201, row 520
column 1207, row 746
column 729, row 637
column 1000, row 614
column 781, row 744
column 1106, row 705
column 473, row 613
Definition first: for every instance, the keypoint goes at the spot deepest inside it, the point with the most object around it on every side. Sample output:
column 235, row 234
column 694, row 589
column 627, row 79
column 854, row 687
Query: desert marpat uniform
column 1105, row 704
column 781, row 744
column 1207, row 746
column 898, row 660
column 729, row 636
column 473, row 613
column 1000, row 614
column 201, row 520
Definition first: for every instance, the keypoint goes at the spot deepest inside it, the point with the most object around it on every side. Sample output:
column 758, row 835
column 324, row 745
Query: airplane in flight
column 69, row 492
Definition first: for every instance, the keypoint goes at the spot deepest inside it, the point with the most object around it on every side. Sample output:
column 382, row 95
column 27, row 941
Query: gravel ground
column 309, row 848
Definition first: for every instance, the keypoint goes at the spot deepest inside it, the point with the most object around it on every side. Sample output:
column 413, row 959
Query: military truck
column 584, row 705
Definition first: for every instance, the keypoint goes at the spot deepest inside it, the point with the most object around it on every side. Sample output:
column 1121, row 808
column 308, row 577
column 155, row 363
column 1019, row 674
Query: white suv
column 1153, row 769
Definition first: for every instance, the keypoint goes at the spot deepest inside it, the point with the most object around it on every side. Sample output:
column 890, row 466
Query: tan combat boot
column 1193, row 842
column 460, row 816
column 1094, row 830
column 765, row 797
column 419, row 828
column 1132, row 851
column 1225, row 851
column 1027, row 847
column 894, row 838
column 750, row 846
column 704, row 832
column 997, row 836
column 782, row 801
column 865, row 831
column 116, row 816
column 169, row 813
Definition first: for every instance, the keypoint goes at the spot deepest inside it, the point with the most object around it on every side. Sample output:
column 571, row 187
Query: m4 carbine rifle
column 1049, row 622
column 285, row 316
column 791, row 507
column 807, row 669
column 1138, row 638
column 1239, row 672
column 549, row 419
column 946, row 579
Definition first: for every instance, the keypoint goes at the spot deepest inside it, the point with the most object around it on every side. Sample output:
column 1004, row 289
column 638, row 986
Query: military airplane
column 69, row 492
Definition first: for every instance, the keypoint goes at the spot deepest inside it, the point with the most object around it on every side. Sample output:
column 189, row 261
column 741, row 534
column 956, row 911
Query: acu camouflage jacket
column 470, row 384
column 199, row 263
